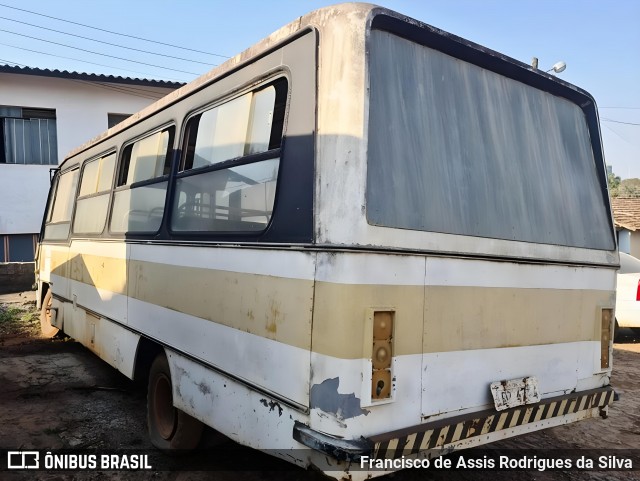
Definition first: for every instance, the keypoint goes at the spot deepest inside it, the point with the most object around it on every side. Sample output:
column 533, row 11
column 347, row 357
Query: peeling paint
column 272, row 405
column 333, row 418
column 325, row 396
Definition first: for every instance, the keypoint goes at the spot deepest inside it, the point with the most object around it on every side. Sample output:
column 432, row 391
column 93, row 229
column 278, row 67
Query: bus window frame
column 264, row 81
column 171, row 154
column 73, row 207
column 109, row 191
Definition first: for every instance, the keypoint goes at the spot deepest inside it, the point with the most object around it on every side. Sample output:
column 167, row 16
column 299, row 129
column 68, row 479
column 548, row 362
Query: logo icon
column 23, row 460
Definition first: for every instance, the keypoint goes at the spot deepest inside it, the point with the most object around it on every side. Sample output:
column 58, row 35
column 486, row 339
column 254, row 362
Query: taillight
column 638, row 291
column 382, row 354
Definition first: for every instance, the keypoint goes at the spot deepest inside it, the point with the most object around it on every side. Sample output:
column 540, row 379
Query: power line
column 623, row 138
column 135, row 88
column 618, row 121
column 116, row 89
column 80, row 60
column 94, row 84
column 114, row 33
column 97, row 53
column 107, row 43
column 14, row 63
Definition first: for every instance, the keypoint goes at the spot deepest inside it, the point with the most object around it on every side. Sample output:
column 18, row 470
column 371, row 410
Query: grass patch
column 19, row 320
column 9, row 314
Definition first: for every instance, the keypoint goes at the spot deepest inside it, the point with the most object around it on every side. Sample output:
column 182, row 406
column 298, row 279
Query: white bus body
column 339, row 239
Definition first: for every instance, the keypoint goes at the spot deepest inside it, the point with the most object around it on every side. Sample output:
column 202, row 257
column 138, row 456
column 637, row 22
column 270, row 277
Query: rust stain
column 273, row 316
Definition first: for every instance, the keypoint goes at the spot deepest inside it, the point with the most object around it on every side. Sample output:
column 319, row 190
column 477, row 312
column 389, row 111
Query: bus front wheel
column 47, row 329
column 170, row 428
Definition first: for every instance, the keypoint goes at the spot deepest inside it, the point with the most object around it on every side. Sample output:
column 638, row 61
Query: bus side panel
column 245, row 415
column 110, row 341
column 97, row 278
column 247, row 312
column 54, row 270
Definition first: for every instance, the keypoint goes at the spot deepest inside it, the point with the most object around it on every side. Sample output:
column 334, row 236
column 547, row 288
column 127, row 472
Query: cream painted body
column 260, row 337
column 251, row 319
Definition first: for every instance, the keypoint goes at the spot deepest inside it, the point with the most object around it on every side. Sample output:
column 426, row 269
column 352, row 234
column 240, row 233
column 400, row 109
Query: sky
column 598, row 40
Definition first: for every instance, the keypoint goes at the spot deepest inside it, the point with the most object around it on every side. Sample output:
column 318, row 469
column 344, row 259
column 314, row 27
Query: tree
column 629, row 188
column 623, row 188
column 614, row 183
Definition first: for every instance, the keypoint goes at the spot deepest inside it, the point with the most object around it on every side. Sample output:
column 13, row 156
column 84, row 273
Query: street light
column 558, row 67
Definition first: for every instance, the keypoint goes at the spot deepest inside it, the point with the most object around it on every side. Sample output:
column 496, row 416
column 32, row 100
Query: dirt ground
column 55, row 394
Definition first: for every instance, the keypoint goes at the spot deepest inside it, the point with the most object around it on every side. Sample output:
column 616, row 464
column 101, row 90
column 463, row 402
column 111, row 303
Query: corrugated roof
column 626, row 212
column 90, row 77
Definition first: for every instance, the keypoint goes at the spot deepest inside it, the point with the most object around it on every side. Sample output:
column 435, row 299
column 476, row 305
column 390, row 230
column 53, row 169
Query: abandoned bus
column 362, row 236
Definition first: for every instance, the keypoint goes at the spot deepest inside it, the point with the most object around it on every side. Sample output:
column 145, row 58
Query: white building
column 44, row 114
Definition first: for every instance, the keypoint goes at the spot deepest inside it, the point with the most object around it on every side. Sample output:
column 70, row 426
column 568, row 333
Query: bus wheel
column 46, row 328
column 169, row 428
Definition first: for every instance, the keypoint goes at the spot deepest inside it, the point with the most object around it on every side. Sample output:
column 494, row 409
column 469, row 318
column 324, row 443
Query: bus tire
column 170, row 429
column 47, row 329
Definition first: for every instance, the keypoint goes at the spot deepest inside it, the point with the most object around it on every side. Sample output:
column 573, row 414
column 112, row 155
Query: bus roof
column 351, row 15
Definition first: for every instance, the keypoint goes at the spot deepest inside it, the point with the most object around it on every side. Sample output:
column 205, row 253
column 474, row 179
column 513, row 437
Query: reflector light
column 382, row 354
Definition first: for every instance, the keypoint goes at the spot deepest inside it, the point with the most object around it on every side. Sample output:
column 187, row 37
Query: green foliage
column 623, row 188
column 629, row 188
column 19, row 320
column 9, row 314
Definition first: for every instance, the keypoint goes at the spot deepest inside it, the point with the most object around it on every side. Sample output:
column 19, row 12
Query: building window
column 115, row 119
column 28, row 136
column 18, row 247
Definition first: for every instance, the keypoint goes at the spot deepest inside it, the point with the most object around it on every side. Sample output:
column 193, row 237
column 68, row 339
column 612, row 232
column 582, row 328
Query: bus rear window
column 458, row 149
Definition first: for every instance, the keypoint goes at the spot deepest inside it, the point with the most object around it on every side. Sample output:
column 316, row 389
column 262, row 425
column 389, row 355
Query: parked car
column 628, row 293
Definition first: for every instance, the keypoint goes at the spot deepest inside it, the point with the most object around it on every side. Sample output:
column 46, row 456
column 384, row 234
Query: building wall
column 81, row 114
column 635, row 244
column 624, row 241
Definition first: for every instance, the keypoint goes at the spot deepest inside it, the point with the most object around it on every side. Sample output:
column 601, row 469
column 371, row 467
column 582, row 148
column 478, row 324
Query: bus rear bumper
column 446, row 435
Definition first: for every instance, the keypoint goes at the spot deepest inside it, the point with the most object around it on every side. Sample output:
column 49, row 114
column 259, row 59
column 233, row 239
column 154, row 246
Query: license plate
column 516, row 392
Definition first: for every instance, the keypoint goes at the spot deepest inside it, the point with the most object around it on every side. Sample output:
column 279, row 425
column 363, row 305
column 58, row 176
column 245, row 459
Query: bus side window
column 138, row 204
column 239, row 195
column 57, row 227
column 93, row 198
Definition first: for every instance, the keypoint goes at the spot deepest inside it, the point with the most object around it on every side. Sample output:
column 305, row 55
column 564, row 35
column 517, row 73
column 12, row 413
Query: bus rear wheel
column 47, row 329
column 170, row 429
